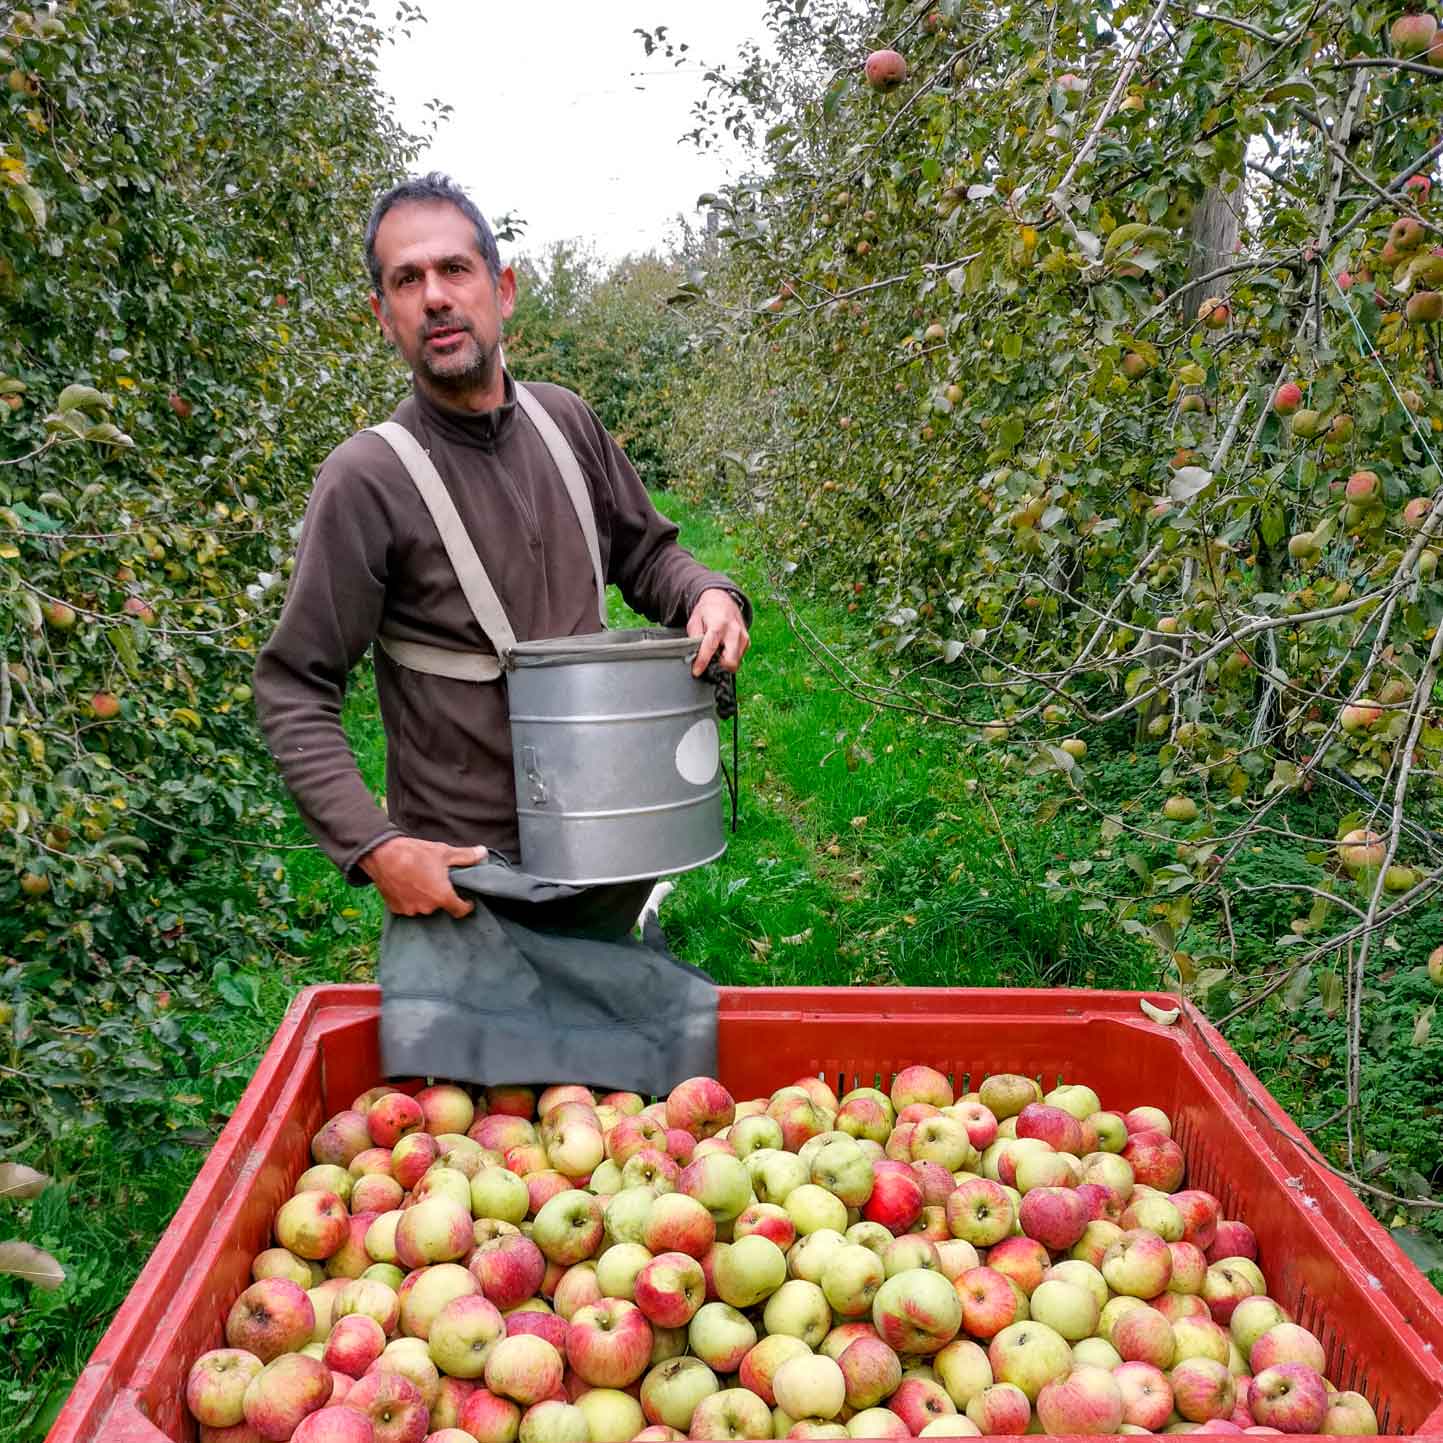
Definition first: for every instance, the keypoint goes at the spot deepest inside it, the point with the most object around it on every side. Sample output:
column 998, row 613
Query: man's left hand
column 717, row 620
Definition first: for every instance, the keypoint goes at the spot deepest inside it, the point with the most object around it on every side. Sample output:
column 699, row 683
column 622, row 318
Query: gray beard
column 479, row 371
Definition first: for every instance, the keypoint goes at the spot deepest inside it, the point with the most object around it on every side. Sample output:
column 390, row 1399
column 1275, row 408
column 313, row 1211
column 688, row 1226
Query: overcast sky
column 548, row 120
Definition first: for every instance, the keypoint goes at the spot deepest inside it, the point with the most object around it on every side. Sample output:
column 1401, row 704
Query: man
column 371, row 567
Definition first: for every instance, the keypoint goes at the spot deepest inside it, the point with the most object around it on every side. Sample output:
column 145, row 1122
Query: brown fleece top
column 369, row 556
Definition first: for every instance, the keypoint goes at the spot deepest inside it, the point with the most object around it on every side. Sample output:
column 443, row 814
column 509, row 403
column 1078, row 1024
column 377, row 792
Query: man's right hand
column 414, row 879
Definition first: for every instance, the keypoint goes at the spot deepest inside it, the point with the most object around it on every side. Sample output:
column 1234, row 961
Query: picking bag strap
column 475, row 584
column 566, row 463
column 440, row 660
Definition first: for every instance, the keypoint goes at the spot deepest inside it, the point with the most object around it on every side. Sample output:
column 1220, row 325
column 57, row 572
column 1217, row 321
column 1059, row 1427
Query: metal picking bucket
column 617, row 757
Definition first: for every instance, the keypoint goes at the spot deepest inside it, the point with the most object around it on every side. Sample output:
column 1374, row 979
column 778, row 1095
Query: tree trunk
column 1212, row 239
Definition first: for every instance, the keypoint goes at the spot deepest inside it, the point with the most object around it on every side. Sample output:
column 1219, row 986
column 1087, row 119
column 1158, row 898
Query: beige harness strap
column 566, row 463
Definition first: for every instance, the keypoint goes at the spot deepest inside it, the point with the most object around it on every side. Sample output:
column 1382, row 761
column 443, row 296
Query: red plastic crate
column 1327, row 1260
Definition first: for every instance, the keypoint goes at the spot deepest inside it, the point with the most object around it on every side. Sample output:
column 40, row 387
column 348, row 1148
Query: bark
column 1212, row 238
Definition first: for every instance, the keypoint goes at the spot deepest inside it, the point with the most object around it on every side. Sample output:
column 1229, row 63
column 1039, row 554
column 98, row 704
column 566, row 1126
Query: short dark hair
column 432, row 187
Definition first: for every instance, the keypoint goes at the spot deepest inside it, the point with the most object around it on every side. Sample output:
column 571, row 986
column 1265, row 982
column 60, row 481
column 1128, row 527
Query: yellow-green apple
column 798, row 1308
column 812, row 1208
column 1075, row 1098
column 1111, row 1130
column 576, row 1147
column 1137, row 1264
column 920, row 1084
column 312, row 1224
column 216, row 1386
column 524, row 1368
column 552, row 1421
column 626, row 1215
column 341, row 1139
column 946, row 1141
column 1202, row 1389
column 1349, row 1415
column 917, row 1312
column 1095, row 1352
column 700, row 1106
column 1146, row 1395
column 426, row 1291
column 810, row 1386
column 918, row 1401
column 1252, row 1318
column 896, row 1199
column 1189, row 1268
column 1199, row 1337
column 1022, row 1259
column 809, row 1256
column 326, row 1177
column 962, row 1369
column 1087, row 1400
column 445, row 1108
column 509, row 1269
column 322, row 1299
column 1065, row 1307
column 721, row 1336
column 411, row 1358
column 442, row 1181
column 334, row 1423
column 270, row 1318
column 462, row 1335
column 1046, row 1169
column 618, row 1267
column 1005, row 1094
column 1282, row 1343
column 611, row 1416
column 843, row 1336
column 1148, row 1119
column 720, row 1183
column 355, row 1342
column 759, row 1368
column 1000, row 1409
column 752, row 1133
column 871, row 1372
column 391, row 1117
column 861, row 1117
column 669, row 1289
column 394, row 1405
column 1030, row 1355
column 980, row 1212
column 732, row 1413
column 459, row 1151
column 671, row 1391
column 1053, row 1125
column 932, row 1224
column 435, row 1230
column 609, row 1343
column 282, row 1263
column 1155, row 1213
column 412, row 1157
column 751, row 1269
column 1081, row 1274
column 872, row 1236
column 844, row 1170
column 775, row 1174
column 489, row 1418
column 676, row 1223
column 880, row 1423
column 287, row 1389
column 568, row 1227
column 1143, row 1335
column 990, row 1302
column 911, row 1250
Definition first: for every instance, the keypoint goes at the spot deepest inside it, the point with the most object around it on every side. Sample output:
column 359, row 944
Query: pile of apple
column 564, row 1268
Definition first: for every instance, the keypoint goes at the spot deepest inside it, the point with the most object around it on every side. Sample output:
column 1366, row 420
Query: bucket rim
column 639, row 643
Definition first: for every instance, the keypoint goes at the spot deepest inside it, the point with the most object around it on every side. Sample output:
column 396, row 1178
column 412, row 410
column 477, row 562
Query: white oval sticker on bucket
column 698, row 753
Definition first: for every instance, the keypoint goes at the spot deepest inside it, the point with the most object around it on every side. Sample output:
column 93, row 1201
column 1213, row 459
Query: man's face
column 438, row 304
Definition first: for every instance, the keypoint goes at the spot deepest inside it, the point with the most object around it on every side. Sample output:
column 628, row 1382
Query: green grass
column 871, row 850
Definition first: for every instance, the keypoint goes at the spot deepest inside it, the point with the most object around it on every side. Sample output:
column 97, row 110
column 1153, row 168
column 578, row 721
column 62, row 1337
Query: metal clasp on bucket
column 533, row 776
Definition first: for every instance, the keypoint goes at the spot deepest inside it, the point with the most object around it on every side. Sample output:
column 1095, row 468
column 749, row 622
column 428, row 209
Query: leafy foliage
column 995, row 357
column 184, row 191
